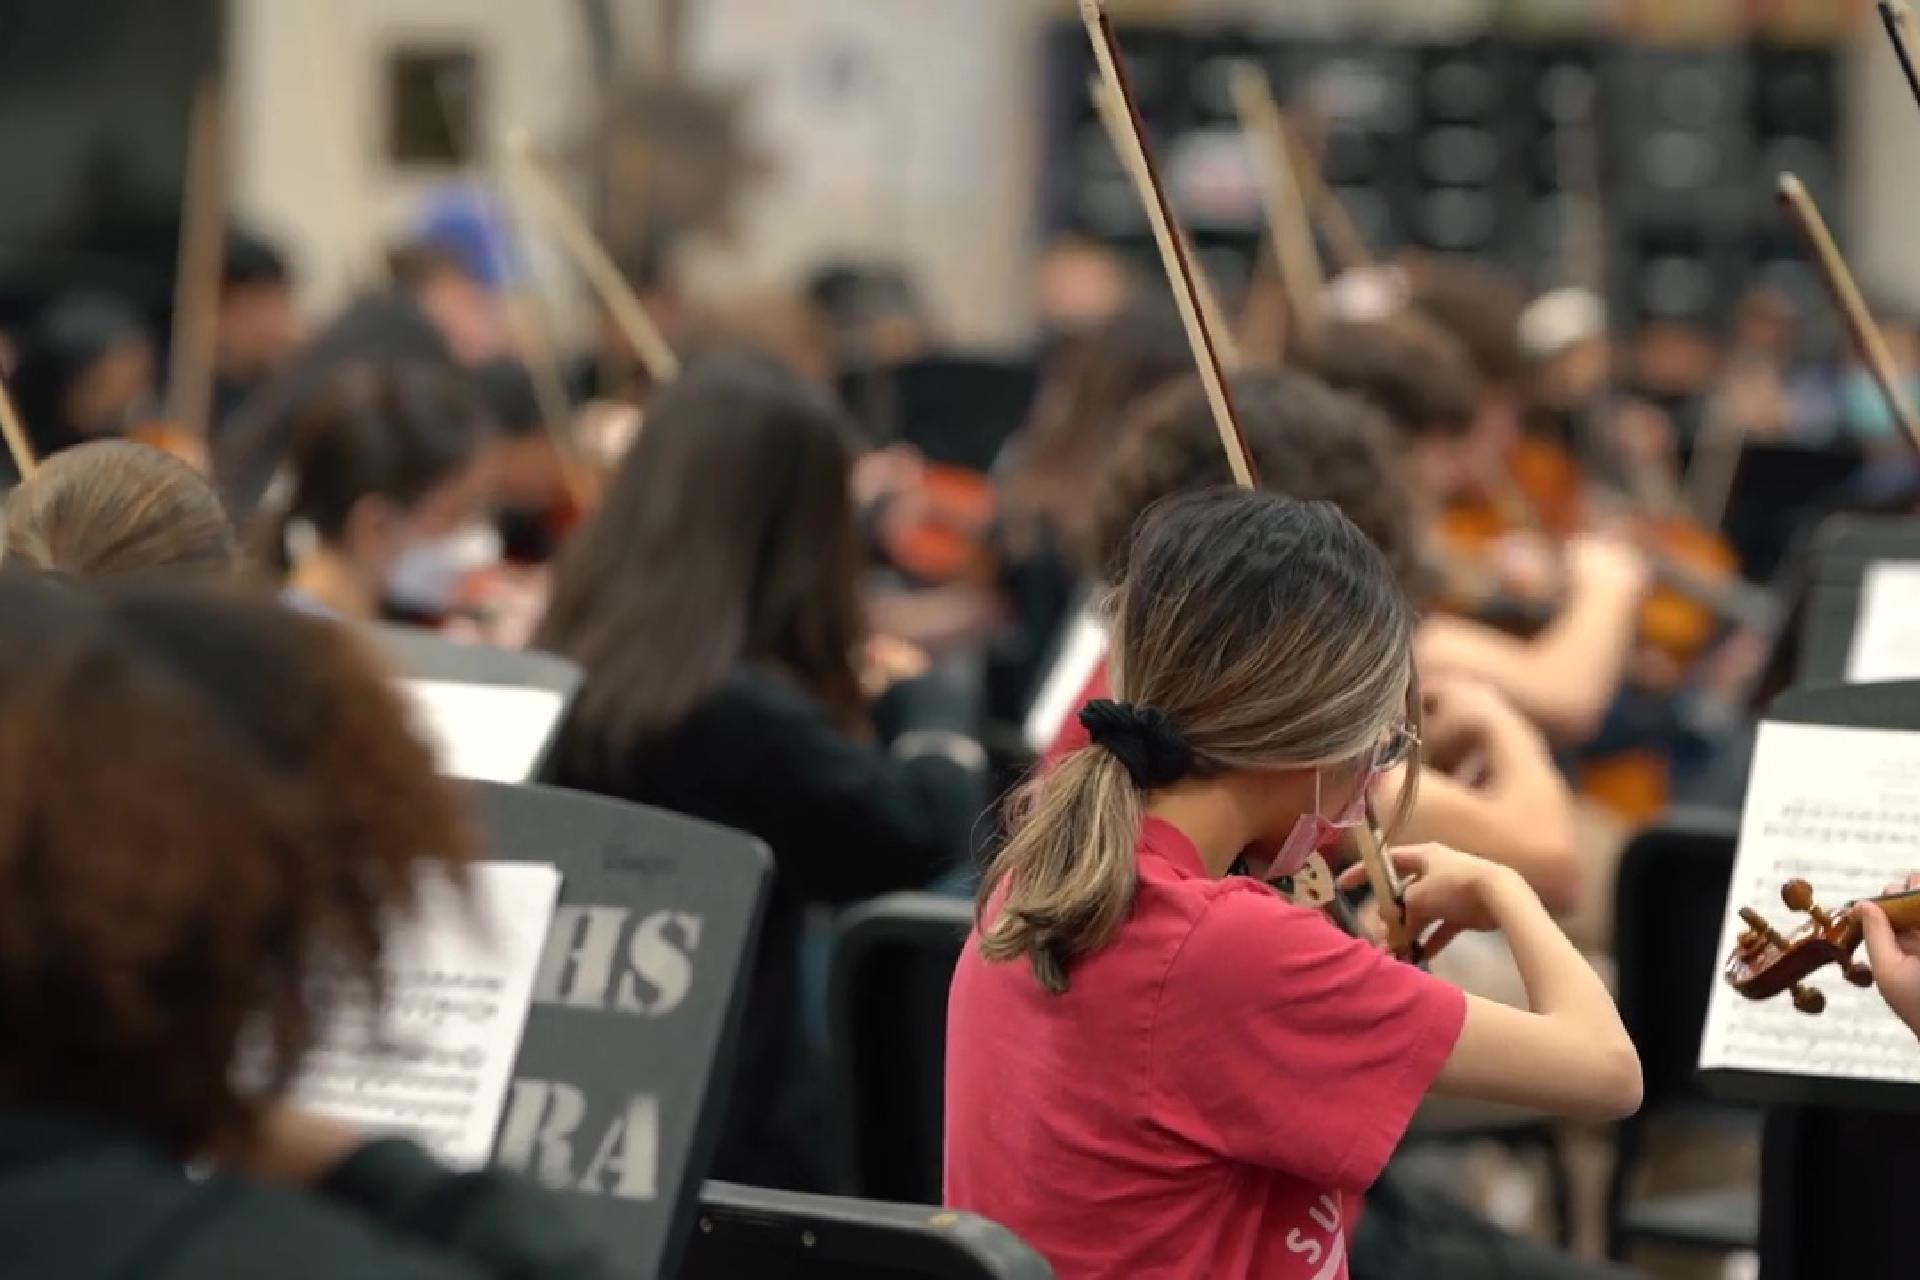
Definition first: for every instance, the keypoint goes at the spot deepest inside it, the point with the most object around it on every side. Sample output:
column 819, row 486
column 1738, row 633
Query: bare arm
column 1514, row 810
column 1564, row 678
column 1567, row 1052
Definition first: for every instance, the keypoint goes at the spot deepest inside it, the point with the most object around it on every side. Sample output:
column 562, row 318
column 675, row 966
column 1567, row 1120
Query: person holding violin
column 1564, row 676
column 1211, row 1076
column 713, row 602
column 381, row 508
column 1894, row 955
column 1496, row 790
column 85, row 369
column 258, row 327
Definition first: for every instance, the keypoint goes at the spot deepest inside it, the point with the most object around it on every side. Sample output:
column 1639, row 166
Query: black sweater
column 845, row 820
column 80, row 1202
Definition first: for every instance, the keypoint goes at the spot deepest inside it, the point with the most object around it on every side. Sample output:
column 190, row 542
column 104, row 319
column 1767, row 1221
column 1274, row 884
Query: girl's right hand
column 1444, row 890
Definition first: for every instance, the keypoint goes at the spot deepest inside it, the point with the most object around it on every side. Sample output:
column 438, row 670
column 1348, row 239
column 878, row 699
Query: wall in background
column 309, row 99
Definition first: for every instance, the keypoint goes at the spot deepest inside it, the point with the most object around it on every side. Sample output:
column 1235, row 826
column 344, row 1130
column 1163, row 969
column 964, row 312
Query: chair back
column 887, row 985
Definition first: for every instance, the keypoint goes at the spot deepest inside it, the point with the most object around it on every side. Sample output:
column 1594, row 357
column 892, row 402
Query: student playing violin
column 112, row 508
column 1210, row 1076
column 1564, row 677
column 1314, row 444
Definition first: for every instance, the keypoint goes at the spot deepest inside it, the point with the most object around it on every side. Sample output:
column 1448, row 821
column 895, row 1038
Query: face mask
column 1314, row 832
column 1863, row 408
column 428, row 574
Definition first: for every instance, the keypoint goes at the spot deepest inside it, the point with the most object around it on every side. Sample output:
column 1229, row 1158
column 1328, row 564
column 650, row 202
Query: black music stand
column 1844, row 548
column 421, row 656
column 617, row 1094
column 1836, row 1194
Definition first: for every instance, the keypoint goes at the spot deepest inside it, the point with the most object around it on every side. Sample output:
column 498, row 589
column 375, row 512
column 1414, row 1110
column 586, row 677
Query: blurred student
column 259, row 327
column 714, row 603
column 382, row 505
column 113, row 508
column 1208, row 1078
column 84, row 369
column 210, row 805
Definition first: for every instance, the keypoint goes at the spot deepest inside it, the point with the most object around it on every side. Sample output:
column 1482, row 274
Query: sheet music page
column 1886, row 630
column 459, row 984
column 484, row 732
column 1840, row 809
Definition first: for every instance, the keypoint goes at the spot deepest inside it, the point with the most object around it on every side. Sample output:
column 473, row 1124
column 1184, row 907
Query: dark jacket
column 80, row 1202
column 845, row 820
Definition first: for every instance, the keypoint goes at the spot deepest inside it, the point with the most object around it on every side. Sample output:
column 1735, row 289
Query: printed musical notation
column 1839, row 808
column 435, row 1063
column 1886, row 628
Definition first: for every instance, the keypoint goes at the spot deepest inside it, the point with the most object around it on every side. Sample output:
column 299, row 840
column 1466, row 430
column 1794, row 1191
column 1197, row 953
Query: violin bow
column 1113, row 117
column 1289, row 229
column 1347, row 246
column 1897, row 17
column 196, row 282
column 1174, row 259
column 1867, row 338
column 595, row 263
column 19, row 448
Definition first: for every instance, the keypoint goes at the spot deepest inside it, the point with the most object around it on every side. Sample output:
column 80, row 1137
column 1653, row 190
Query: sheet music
column 485, row 732
column 459, row 984
column 1886, row 629
column 1081, row 654
column 1839, row 808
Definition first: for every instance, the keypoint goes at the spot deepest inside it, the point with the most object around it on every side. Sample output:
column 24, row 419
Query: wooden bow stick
column 1180, row 274
column 648, row 343
column 1347, row 245
column 1113, row 116
column 19, row 448
column 1867, row 338
column 1289, row 228
column 196, row 287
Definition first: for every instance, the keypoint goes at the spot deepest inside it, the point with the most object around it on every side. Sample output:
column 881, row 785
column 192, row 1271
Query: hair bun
column 1141, row 738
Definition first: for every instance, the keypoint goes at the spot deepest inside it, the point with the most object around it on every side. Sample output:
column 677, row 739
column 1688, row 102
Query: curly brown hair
column 1406, row 366
column 1308, row 442
column 205, row 803
column 1480, row 307
column 112, row 507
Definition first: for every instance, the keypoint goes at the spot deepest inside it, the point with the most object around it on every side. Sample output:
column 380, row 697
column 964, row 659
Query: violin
column 1765, row 962
column 938, row 529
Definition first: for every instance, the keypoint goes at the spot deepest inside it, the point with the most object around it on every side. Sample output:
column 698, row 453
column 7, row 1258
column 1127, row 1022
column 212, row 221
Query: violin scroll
column 1766, row 962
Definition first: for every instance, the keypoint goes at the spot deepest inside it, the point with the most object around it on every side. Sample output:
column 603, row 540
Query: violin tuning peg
column 1797, row 894
column 1807, row 999
column 1858, row 974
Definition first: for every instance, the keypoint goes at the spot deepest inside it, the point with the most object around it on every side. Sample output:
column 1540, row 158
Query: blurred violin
column 938, row 528
column 1765, row 962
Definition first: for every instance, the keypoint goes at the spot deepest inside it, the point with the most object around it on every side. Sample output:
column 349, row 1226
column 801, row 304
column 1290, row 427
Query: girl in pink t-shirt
column 1158, row 1069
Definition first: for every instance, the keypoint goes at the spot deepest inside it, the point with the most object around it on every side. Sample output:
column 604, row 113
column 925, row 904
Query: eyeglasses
column 1395, row 748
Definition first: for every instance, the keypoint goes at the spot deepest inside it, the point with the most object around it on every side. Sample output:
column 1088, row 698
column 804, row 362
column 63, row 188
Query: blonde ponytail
column 1068, row 870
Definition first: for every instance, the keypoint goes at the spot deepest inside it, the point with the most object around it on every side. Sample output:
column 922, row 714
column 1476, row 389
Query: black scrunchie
column 1142, row 739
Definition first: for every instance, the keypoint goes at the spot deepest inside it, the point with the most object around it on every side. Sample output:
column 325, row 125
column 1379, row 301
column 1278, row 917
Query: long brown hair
column 728, row 536
column 112, row 507
column 1093, row 384
column 206, row 804
column 1271, row 634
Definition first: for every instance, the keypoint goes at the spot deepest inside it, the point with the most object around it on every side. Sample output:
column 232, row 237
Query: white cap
column 1559, row 319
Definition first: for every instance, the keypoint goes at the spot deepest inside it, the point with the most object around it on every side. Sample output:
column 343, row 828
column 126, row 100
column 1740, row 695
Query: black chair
column 495, row 711
column 779, row 1235
column 617, row 1093
column 887, row 1016
column 1668, row 901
